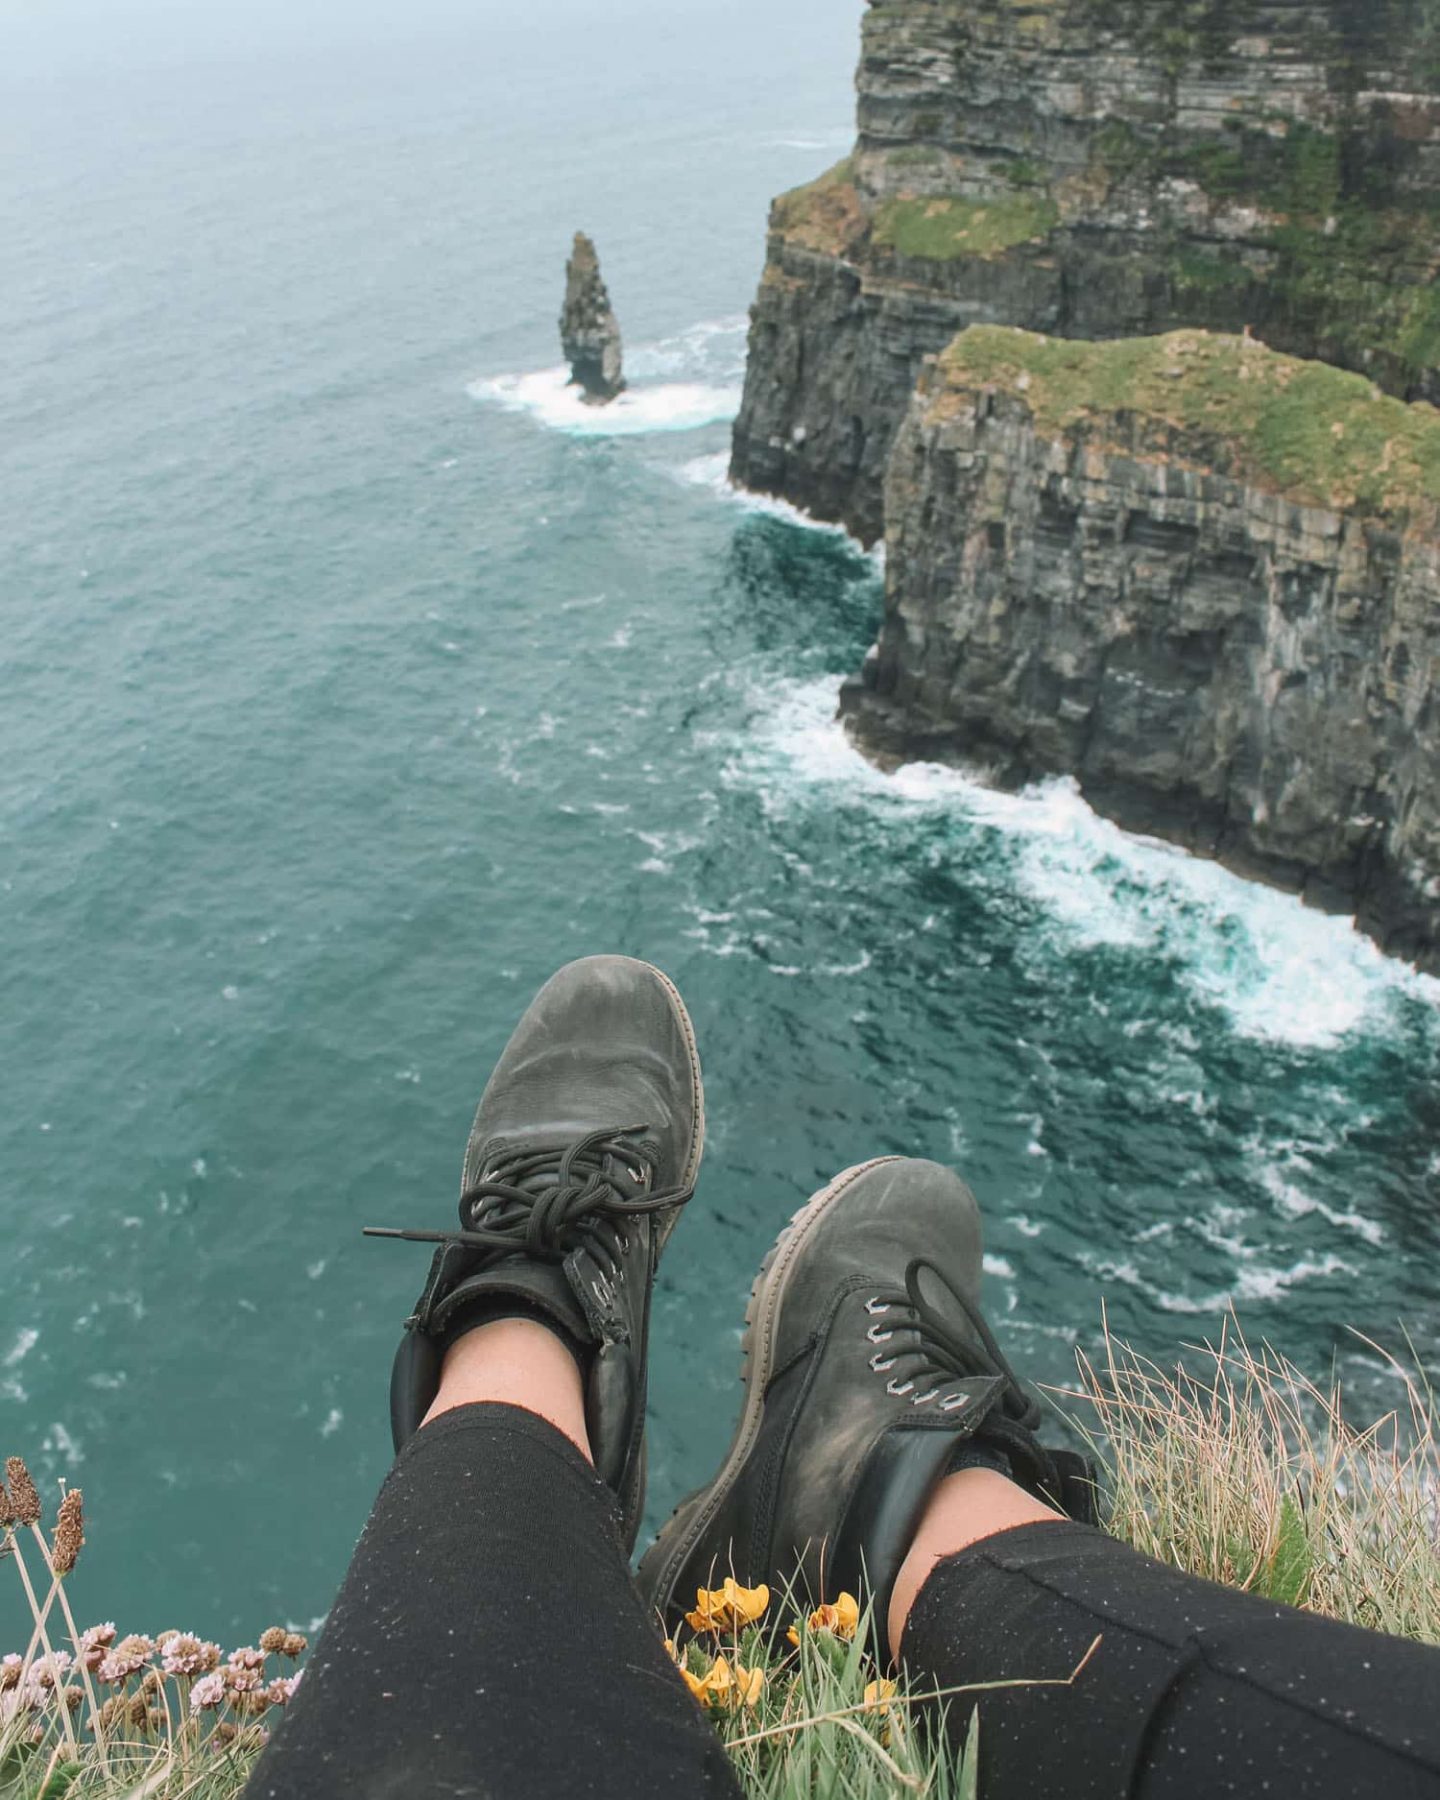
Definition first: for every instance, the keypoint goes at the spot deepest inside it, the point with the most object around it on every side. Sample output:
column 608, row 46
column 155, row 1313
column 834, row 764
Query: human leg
column 1193, row 1691
column 488, row 1638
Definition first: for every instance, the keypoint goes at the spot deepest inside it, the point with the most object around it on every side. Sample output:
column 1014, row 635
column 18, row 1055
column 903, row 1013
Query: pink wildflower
column 282, row 1689
column 94, row 1642
column 207, row 1693
column 47, row 1671
column 185, row 1654
column 128, row 1658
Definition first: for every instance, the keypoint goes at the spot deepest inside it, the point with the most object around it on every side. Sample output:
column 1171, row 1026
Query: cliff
column 1097, row 169
column 1200, row 576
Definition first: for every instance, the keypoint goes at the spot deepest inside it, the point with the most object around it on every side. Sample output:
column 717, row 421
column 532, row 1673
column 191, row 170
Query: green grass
column 1234, row 1467
column 1304, row 429
column 941, row 228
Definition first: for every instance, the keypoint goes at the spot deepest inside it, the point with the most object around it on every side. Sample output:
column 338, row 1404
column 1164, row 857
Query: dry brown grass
column 1239, row 1468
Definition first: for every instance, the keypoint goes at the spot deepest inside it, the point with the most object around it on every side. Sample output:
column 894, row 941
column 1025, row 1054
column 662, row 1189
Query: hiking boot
column 869, row 1375
column 584, row 1148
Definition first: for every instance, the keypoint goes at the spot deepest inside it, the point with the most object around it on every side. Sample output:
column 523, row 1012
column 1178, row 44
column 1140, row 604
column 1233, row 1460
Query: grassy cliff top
column 1312, row 432
column 826, row 214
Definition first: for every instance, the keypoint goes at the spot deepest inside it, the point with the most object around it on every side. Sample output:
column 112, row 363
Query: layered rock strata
column 1201, row 577
column 1097, row 169
column 589, row 330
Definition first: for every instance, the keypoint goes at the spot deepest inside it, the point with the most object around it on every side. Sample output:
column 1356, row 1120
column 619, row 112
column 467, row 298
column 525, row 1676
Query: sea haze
column 354, row 676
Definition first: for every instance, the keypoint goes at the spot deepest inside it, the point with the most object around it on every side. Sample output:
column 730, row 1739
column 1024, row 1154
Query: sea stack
column 589, row 330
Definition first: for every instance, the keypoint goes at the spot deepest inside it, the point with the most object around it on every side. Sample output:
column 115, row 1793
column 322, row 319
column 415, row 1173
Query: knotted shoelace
column 932, row 1346
column 544, row 1203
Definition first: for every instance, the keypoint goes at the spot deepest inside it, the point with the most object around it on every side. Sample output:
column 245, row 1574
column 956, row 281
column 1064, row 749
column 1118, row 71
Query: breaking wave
column 677, row 383
column 1280, row 970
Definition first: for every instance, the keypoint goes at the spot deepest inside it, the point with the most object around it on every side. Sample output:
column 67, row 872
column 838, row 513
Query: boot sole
column 662, row 1562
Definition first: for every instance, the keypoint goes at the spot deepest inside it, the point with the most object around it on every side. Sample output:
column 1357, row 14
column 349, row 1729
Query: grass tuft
column 1241, row 1469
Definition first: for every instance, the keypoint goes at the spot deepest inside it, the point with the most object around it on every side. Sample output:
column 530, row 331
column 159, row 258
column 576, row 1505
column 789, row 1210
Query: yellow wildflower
column 749, row 1685
column 728, row 1607
column 877, row 1693
column 840, row 1619
column 726, row 1685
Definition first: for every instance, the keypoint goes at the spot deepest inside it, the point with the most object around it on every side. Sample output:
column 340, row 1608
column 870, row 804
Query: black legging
column 488, row 1640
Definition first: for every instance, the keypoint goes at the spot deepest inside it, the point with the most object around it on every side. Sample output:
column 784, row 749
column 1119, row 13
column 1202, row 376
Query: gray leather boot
column 585, row 1146
column 869, row 1373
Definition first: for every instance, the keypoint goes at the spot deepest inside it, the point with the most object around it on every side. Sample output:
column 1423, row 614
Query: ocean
column 355, row 676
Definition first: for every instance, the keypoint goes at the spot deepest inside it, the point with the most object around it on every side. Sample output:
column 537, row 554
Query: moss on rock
column 940, row 228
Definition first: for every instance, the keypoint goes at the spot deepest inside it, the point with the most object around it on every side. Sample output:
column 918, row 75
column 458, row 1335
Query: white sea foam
column 1258, row 1284
column 712, row 472
column 1279, row 969
column 677, row 383
column 547, row 396
column 836, row 137
column 713, row 350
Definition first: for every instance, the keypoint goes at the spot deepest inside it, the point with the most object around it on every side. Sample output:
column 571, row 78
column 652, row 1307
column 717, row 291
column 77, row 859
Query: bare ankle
column 516, row 1362
column 966, row 1507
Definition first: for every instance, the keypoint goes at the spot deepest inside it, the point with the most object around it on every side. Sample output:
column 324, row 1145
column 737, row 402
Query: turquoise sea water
column 354, row 677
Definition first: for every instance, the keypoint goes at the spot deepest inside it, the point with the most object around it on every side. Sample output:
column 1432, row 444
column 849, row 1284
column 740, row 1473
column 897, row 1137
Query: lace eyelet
column 881, row 1364
column 877, row 1336
column 876, row 1305
column 954, row 1402
column 898, row 1389
column 920, row 1399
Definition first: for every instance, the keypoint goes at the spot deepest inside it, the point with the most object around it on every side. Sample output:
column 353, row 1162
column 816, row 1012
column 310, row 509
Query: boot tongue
column 947, row 1313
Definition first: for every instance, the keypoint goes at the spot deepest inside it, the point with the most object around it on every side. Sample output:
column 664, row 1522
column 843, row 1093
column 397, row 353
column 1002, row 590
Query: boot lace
column 929, row 1352
column 545, row 1203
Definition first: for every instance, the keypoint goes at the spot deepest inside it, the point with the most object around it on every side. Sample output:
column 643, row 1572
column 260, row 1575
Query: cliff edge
column 1097, row 169
column 1198, row 575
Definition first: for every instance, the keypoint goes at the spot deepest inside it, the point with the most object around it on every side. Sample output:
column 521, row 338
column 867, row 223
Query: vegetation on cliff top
column 1312, row 432
column 1235, row 1468
column 940, row 228
column 830, row 215
column 825, row 214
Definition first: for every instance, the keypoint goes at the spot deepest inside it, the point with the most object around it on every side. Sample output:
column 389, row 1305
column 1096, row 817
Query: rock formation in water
column 1200, row 576
column 589, row 330
column 1098, row 169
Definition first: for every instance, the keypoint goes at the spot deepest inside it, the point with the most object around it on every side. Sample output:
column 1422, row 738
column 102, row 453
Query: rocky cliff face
column 1098, row 169
column 589, row 330
column 1201, row 577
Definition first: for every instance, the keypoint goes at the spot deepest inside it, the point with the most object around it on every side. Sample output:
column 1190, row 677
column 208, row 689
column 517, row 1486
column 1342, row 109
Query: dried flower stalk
column 69, row 1536
column 24, row 1495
